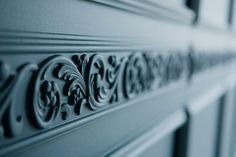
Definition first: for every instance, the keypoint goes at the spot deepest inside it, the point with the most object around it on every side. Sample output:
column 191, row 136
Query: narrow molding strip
column 152, row 9
column 18, row 42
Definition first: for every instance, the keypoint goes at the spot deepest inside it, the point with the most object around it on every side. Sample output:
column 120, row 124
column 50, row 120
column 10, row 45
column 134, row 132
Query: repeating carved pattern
column 66, row 88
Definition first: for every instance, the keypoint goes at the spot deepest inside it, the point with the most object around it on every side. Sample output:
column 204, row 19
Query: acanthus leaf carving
column 65, row 88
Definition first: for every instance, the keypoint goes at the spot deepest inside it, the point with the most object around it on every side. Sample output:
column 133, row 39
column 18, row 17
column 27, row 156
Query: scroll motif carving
column 67, row 88
column 47, row 96
column 11, row 123
column 86, row 82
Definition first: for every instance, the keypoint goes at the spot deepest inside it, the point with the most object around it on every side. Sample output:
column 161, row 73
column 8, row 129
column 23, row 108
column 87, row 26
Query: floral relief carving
column 86, row 82
column 66, row 88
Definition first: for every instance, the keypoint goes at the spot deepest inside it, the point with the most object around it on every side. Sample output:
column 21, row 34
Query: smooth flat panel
column 226, row 129
column 163, row 148
column 214, row 12
column 203, row 128
column 233, row 135
column 158, row 140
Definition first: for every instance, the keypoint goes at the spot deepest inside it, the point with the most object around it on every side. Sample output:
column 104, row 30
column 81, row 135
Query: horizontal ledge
column 151, row 9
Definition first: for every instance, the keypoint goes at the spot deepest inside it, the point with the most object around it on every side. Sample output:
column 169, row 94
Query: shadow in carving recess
column 64, row 89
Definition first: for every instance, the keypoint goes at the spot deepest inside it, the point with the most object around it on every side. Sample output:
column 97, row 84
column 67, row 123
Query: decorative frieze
column 65, row 88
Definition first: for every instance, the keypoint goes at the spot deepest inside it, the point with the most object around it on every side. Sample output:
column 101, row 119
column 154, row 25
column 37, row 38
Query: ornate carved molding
column 66, row 88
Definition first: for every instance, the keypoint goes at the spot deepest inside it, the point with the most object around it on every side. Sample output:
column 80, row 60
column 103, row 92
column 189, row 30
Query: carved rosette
column 46, row 94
